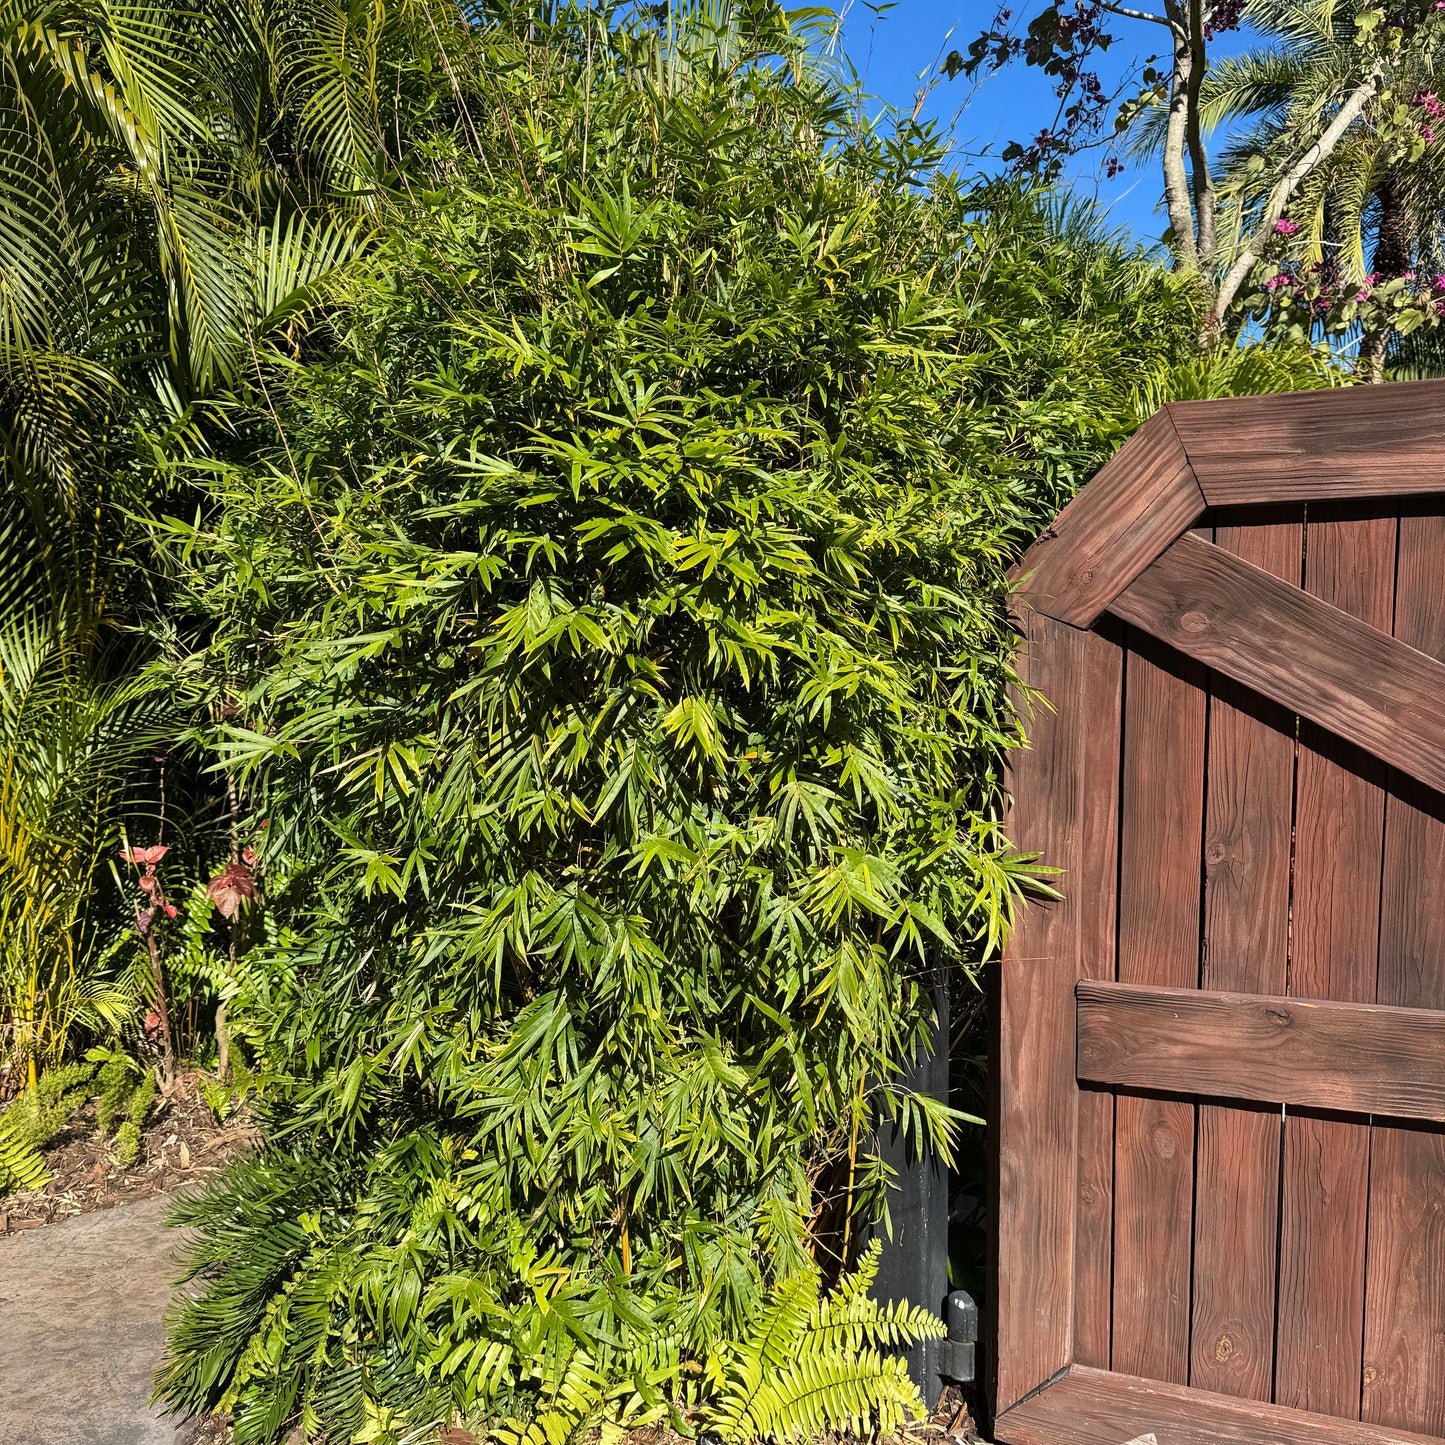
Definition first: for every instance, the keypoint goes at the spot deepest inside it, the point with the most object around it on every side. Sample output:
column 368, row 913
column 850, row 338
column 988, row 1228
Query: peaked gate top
column 1123, row 545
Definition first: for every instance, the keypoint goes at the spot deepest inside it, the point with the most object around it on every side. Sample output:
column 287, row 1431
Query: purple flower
column 1288, row 228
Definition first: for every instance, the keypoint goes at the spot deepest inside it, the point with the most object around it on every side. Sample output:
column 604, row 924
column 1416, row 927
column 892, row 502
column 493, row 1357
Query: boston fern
column 606, row 605
column 804, row 1364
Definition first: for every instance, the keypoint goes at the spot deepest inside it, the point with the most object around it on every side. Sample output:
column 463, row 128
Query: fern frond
column 811, row 1364
column 22, row 1166
column 870, row 1394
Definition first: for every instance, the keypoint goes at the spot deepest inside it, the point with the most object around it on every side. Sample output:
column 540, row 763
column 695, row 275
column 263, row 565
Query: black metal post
column 914, row 1262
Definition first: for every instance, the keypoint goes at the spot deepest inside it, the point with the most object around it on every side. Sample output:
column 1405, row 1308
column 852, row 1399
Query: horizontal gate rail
column 1359, row 683
column 1097, row 1407
column 1356, row 1058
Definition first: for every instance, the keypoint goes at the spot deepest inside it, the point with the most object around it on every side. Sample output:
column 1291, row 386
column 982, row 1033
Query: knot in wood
column 1223, row 1348
column 1278, row 1016
column 1194, row 621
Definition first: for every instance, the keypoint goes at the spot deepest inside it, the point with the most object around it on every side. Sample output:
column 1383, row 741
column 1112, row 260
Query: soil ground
column 181, row 1145
column 84, row 1301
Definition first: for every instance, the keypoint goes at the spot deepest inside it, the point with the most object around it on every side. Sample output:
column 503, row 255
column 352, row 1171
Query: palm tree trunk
column 1394, row 253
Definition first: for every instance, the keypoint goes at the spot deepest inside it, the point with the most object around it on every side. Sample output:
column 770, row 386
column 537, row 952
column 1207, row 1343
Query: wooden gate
column 1221, row 1076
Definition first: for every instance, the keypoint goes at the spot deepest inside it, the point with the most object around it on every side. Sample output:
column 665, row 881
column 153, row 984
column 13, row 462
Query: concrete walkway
column 82, row 1308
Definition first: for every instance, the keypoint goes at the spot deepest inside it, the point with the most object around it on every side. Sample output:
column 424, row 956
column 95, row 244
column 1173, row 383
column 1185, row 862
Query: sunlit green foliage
column 803, row 1364
column 72, row 735
column 36, row 1117
column 603, row 601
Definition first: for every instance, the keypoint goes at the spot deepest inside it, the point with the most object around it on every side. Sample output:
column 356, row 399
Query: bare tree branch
column 1288, row 183
column 1204, row 228
column 1129, row 14
column 1177, row 199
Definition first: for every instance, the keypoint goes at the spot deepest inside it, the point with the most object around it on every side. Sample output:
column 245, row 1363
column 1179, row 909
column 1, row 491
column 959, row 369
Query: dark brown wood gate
column 1221, row 1168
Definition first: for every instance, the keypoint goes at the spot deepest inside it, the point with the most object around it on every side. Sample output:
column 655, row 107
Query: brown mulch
column 954, row 1417
column 181, row 1144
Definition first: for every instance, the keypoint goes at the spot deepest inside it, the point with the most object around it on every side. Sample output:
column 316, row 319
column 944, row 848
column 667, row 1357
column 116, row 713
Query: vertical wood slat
column 1404, row 1350
column 1037, row 1104
column 1098, row 890
column 1161, row 819
column 1349, row 563
column 1248, row 821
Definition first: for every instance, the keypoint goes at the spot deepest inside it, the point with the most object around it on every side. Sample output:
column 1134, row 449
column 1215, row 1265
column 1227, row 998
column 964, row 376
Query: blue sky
column 893, row 49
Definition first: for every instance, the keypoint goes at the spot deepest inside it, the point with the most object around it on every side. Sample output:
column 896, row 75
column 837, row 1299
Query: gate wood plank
column 1248, row 821
column 1099, row 874
column 1144, row 497
column 1092, row 1407
column 1404, row 1316
column 1344, row 674
column 1161, row 822
column 1036, row 1109
column 1350, row 1058
column 1339, row 825
column 1405, row 1265
column 1354, row 442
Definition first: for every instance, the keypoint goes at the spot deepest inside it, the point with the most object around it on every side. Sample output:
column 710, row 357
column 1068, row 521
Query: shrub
column 124, row 1091
column 609, row 608
column 115, row 1080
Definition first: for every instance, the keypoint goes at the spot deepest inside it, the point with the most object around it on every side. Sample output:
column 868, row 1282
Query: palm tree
column 1372, row 209
column 178, row 185
column 72, row 731
column 175, row 183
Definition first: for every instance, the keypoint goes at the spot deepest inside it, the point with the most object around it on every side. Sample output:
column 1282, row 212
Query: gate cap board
column 1123, row 546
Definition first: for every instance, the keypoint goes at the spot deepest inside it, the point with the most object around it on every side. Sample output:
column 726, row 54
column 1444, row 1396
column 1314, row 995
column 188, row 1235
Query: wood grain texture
column 1322, row 1264
column 1161, row 821
column 1247, row 835
column 1236, row 1241
column 1141, row 500
column 1092, row 1407
column 1339, row 822
column 1403, row 1382
column 1350, row 1058
column 1098, row 899
column 1343, row 674
column 1404, row 1358
column 1036, row 1134
column 1350, row 442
